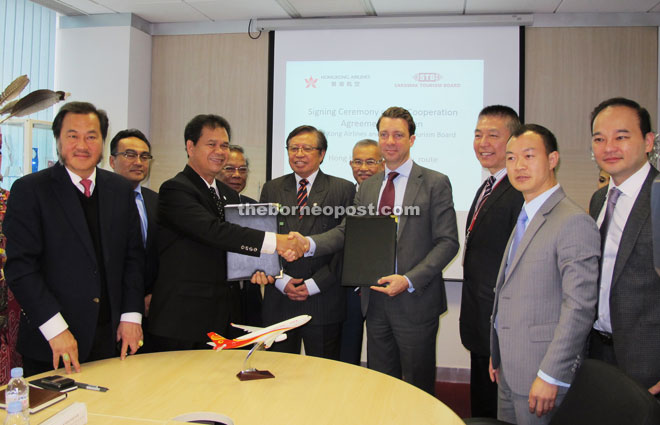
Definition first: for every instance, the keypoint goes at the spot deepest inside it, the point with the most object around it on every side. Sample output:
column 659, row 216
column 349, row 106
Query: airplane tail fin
column 219, row 342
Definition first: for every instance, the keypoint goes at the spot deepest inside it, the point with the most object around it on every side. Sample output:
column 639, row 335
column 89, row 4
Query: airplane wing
column 275, row 338
column 247, row 328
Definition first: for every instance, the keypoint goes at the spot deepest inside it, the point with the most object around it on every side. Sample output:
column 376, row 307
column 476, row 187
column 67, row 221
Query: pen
column 91, row 387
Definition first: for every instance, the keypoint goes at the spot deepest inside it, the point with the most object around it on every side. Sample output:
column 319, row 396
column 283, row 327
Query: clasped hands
column 290, row 247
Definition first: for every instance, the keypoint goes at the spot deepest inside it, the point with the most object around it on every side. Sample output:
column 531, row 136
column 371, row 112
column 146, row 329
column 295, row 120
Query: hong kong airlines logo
column 311, row 82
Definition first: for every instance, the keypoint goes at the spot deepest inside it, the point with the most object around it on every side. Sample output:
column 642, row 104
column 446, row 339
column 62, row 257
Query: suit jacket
column 545, row 305
column 327, row 306
column 191, row 296
column 151, row 259
column 635, row 291
column 483, row 254
column 51, row 261
column 426, row 243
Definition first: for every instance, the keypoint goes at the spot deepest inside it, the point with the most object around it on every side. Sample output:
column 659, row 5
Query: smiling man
column 545, row 293
column 489, row 223
column 74, row 252
column 367, row 160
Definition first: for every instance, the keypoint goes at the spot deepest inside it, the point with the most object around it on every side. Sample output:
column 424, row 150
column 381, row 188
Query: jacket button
column 96, row 300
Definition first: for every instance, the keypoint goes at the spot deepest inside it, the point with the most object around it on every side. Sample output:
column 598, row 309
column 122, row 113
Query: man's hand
column 147, row 303
column 655, row 390
column 542, row 397
column 65, row 345
column 397, row 284
column 296, row 290
column 494, row 373
column 292, row 246
column 260, row 278
column 130, row 335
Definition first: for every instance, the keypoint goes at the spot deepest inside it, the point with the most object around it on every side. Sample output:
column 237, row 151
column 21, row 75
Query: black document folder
column 369, row 249
column 260, row 217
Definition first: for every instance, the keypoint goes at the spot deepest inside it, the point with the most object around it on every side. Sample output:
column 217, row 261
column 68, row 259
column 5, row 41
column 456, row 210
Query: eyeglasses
column 304, row 148
column 132, row 155
column 231, row 170
column 368, row 162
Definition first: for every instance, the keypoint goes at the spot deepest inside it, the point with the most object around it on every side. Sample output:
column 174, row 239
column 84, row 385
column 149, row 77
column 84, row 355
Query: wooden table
column 154, row 388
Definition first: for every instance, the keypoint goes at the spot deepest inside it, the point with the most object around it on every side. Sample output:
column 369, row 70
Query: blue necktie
column 143, row 216
column 517, row 237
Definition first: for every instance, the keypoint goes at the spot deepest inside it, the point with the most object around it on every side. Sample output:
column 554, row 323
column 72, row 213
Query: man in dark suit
column 74, row 252
column 310, row 285
column 235, row 174
column 490, row 221
column 627, row 328
column 130, row 157
column 402, row 309
column 191, row 296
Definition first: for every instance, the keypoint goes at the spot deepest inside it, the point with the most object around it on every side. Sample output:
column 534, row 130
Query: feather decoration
column 14, row 89
column 8, row 107
column 35, row 102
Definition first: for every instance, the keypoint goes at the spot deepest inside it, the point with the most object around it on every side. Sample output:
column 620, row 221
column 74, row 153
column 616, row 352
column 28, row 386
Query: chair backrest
column 602, row 394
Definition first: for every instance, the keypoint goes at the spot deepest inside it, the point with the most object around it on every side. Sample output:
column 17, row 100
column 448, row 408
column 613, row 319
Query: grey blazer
column 426, row 243
column 546, row 304
column 635, row 293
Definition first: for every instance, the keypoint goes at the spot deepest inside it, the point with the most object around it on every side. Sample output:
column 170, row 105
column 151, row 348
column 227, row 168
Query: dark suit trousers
column 399, row 348
column 483, row 392
column 319, row 340
column 352, row 329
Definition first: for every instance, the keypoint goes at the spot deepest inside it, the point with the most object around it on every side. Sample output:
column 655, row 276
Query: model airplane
column 266, row 336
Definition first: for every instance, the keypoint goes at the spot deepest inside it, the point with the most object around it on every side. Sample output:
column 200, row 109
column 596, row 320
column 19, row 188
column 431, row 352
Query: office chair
column 601, row 394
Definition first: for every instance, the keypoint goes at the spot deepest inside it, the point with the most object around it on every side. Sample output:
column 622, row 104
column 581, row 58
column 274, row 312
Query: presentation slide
column 341, row 81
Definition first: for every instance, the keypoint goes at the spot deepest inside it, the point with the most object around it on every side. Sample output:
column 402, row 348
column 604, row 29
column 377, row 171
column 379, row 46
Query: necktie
column 612, row 197
column 386, row 204
column 218, row 204
column 488, row 188
column 302, row 196
column 143, row 216
column 87, row 183
column 517, row 237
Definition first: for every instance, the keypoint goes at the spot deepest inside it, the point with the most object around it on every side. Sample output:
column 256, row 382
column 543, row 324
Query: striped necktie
column 302, row 197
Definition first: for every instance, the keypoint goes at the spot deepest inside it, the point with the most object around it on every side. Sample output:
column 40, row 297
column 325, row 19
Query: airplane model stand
column 250, row 373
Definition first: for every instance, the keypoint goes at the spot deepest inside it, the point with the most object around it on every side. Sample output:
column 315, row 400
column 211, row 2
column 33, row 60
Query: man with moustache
column 490, row 221
column 191, row 296
column 545, row 293
column 626, row 332
column 75, row 257
column 367, row 160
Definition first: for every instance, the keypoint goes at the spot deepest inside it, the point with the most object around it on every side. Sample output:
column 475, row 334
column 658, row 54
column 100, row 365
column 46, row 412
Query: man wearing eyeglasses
column 130, row 157
column 235, row 172
column 310, row 285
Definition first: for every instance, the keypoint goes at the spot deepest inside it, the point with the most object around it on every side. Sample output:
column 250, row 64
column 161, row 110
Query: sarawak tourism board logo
column 427, row 77
column 310, row 82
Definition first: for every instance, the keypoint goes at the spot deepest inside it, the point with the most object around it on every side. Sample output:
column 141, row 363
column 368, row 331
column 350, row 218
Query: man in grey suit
column 545, row 294
column 627, row 328
column 310, row 285
column 402, row 309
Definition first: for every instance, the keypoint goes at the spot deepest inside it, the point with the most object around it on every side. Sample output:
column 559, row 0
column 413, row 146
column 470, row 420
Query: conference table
column 155, row 388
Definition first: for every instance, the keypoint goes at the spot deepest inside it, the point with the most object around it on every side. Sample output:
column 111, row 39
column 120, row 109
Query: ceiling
column 164, row 11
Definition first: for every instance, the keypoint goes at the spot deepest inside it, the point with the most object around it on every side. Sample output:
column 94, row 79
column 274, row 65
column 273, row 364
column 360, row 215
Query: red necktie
column 87, row 183
column 302, row 196
column 386, row 204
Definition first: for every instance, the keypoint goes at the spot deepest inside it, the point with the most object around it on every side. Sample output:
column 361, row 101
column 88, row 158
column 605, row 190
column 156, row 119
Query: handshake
column 292, row 246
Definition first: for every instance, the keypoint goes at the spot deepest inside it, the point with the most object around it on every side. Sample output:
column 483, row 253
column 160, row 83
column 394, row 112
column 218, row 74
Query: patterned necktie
column 302, row 196
column 612, row 197
column 218, row 204
column 87, row 184
column 517, row 237
column 386, row 204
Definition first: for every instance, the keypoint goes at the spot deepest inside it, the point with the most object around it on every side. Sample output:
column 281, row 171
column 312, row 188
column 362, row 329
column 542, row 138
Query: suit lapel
column 500, row 189
column 315, row 197
column 474, row 205
column 289, row 198
column 638, row 216
column 65, row 194
column 107, row 204
column 414, row 183
column 203, row 189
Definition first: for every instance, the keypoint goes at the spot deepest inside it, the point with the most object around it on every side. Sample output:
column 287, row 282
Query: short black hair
column 80, row 108
column 193, row 130
column 398, row 112
column 642, row 113
column 322, row 142
column 549, row 139
column 503, row 111
column 125, row 134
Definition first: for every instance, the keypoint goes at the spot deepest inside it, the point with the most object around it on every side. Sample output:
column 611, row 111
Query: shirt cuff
column 281, row 283
column 312, row 287
column 270, row 243
column 312, row 248
column 132, row 317
column 411, row 288
column 550, row 380
column 53, row 327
